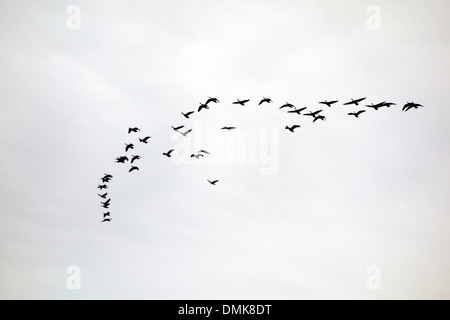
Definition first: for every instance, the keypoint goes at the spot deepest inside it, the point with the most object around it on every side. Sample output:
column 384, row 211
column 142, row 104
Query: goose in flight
column 102, row 186
column 121, row 159
column 264, row 99
column 106, row 214
column 197, row 155
column 129, row 146
column 185, row 133
column 107, row 202
column 287, row 105
column 319, row 117
column 297, row 111
column 228, row 128
column 135, row 129
column 355, row 102
column 106, row 179
column 215, row 100
column 313, row 114
column 292, row 128
column 177, row 128
column 202, row 106
column 241, row 102
column 135, row 158
column 388, row 104
column 103, row 195
column 167, row 154
column 106, row 220
column 106, row 206
column 107, row 175
column 212, row 182
column 187, row 114
column 133, row 168
column 410, row 105
column 204, row 151
column 144, row 140
column 328, row 103
column 357, row 113
column 375, row 106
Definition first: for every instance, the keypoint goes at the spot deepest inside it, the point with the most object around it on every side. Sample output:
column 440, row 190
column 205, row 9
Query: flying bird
column 135, row 158
column 410, row 105
column 177, row 128
column 313, row 114
column 167, row 154
column 357, row 113
column 107, row 175
column 375, row 106
column 185, row 133
column 102, row 186
column 202, row 106
column 144, row 140
column 135, row 129
column 215, row 100
column 197, row 155
column 388, row 104
column 355, row 102
column 106, row 179
column 103, row 195
column 287, row 105
column 267, row 100
column 319, row 117
column 133, row 168
column 228, row 128
column 292, row 128
column 106, row 206
column 328, row 103
column 121, row 159
column 213, row 182
column 242, row 103
column 297, row 111
column 187, row 114
column 204, row 151
column 106, row 214
column 129, row 146
column 107, row 202
column 106, row 220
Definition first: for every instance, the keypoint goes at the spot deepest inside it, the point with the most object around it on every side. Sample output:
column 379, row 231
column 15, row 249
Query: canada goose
column 106, row 214
column 287, row 105
column 388, row 104
column 106, row 220
column 297, row 111
column 129, row 146
column 185, row 133
column 133, row 130
column 177, row 128
column 328, row 103
column 135, row 158
column 107, row 202
column 313, row 114
column 202, row 106
column 105, row 179
column 121, row 159
column 107, row 175
column 187, row 114
column 133, row 168
column 102, row 186
column 106, row 206
column 103, row 195
column 375, row 106
column 215, row 100
column 410, row 105
column 167, row 154
column 213, row 182
column 355, row 102
column 356, row 114
column 242, row 103
column 144, row 140
column 292, row 128
column 319, row 117
column 228, row 128
column 265, row 100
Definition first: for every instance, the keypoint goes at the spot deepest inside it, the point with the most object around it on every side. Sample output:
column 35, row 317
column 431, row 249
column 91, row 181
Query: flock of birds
column 316, row 115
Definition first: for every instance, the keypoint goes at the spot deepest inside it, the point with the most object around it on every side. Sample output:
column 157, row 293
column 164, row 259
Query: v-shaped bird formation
column 292, row 109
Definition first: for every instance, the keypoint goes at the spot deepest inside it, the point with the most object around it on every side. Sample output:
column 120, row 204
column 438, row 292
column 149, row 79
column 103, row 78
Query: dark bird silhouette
column 313, row 114
column 410, row 105
column 202, row 106
column 167, row 154
column 102, row 186
column 129, row 146
column 215, row 100
column 242, row 103
column 107, row 202
column 103, row 195
column 106, row 206
column 228, row 128
column 375, row 106
column 135, row 158
column 106, row 214
column 213, row 182
column 106, row 220
column 297, row 111
column 144, row 140
column 287, row 105
column 133, row 130
column 187, row 114
column 328, row 103
column 133, row 168
column 204, row 151
column 107, row 175
column 319, row 117
column 177, row 128
column 106, row 179
column 186, row 132
column 388, row 104
column 355, row 102
column 267, row 100
column 357, row 113
column 121, row 159
column 197, row 155
column 292, row 128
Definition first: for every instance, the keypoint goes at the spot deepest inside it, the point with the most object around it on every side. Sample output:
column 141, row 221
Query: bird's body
column 168, row 153
column 135, row 129
column 297, row 111
column 204, row 151
column 410, row 105
column 313, row 114
column 328, row 103
column 187, row 114
column 292, row 128
column 196, row 155
column 106, row 206
column 202, row 106
column 375, row 106
column 355, row 102
column 287, row 105
column 177, row 128
column 388, row 104
column 128, row 146
column 106, row 179
column 144, row 140
column 102, row 186
column 103, row 195
column 107, row 202
column 106, row 220
column 106, row 214
column 107, row 175
column 319, row 117
column 241, row 102
column 357, row 113
column 135, row 158
column 228, row 128
column 133, row 168
column 213, row 182
column 186, row 132
column 215, row 100
column 267, row 100
column 121, row 159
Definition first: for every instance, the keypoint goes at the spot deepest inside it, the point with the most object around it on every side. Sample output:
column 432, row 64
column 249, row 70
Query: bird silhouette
column 107, row 202
column 228, row 128
column 292, row 128
column 410, row 105
column 187, row 114
column 267, row 100
column 106, row 220
column 242, row 103
column 212, row 182
column 319, row 117
column 121, row 159
column 204, row 151
column 196, row 155
column 215, row 100
column 133, row 130
column 144, row 140
column 202, row 106
column 102, row 186
column 287, row 105
column 133, row 168
column 105, row 179
column 135, row 158
column 177, row 128
column 106, row 206
column 128, row 146
column 186, row 132
column 388, row 104
column 168, row 153
column 313, row 114
column 375, row 106
column 297, row 111
column 328, row 103
column 103, row 195
column 106, row 214
column 107, row 175
column 357, row 113
column 355, row 102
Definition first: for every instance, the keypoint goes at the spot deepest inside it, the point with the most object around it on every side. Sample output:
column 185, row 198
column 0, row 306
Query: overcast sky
column 299, row 215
